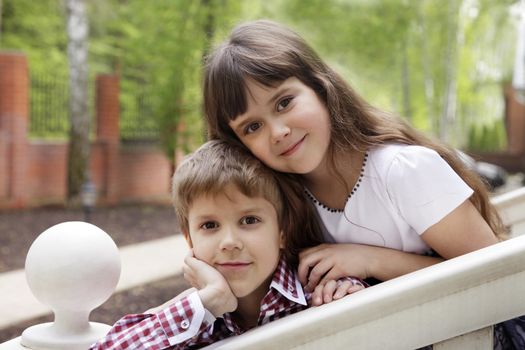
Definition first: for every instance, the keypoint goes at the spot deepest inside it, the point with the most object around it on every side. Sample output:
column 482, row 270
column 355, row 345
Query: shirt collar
column 285, row 281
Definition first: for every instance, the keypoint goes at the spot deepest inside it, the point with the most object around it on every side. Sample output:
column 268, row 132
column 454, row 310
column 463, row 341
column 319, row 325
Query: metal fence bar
column 49, row 106
column 49, row 111
column 137, row 121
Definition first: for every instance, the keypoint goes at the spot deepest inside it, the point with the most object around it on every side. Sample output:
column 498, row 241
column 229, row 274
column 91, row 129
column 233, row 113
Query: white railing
column 451, row 305
column 444, row 301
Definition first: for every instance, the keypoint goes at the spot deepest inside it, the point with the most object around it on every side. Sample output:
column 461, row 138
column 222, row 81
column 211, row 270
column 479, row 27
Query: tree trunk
column 427, row 73
column 78, row 156
column 448, row 114
column 405, row 82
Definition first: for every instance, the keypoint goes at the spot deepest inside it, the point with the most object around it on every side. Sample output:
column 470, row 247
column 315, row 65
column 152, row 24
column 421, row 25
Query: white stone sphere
column 73, row 266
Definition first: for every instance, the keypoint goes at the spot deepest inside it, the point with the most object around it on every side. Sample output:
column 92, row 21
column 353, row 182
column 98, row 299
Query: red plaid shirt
column 187, row 324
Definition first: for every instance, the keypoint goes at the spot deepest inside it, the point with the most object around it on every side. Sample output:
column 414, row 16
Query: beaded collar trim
column 354, row 190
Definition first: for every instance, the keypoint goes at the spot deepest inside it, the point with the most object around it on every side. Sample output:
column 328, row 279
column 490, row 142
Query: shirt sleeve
column 174, row 327
column 423, row 187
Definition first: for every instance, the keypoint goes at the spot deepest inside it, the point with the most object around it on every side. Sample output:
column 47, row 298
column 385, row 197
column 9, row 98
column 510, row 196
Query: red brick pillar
column 515, row 121
column 14, row 115
column 107, row 106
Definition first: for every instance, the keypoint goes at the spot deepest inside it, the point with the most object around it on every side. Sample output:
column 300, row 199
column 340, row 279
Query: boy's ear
column 282, row 241
column 188, row 238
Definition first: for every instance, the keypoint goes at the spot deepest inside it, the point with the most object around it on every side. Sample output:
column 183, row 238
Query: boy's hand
column 333, row 290
column 213, row 289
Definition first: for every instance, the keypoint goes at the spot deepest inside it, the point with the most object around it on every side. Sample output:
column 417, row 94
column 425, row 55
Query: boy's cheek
column 200, row 253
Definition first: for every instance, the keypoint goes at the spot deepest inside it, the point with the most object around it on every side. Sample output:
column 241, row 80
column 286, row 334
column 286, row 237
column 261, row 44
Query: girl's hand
column 326, row 262
column 334, row 290
column 214, row 290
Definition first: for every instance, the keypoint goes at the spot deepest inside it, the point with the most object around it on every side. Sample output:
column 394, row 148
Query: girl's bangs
column 229, row 78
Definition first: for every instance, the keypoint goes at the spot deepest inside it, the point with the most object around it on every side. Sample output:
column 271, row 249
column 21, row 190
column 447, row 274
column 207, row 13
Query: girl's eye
column 251, row 128
column 209, row 225
column 249, row 220
column 283, row 103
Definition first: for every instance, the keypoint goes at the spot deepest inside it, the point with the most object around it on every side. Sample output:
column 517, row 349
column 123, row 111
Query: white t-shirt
column 403, row 191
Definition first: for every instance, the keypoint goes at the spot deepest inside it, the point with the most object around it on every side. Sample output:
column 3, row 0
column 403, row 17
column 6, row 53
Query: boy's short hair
column 215, row 165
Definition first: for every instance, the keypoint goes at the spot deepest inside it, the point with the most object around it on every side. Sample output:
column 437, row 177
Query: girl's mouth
column 293, row 148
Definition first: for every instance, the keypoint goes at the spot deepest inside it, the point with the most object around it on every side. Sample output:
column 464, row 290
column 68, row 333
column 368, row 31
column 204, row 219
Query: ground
column 126, row 224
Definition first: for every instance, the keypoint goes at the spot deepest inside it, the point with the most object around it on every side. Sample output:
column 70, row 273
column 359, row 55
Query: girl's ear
column 282, row 242
column 188, row 238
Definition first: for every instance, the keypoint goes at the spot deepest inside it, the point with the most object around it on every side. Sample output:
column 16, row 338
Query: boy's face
column 237, row 235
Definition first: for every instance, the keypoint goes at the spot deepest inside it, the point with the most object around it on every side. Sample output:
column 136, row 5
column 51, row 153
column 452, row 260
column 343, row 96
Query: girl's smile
column 286, row 126
column 293, row 148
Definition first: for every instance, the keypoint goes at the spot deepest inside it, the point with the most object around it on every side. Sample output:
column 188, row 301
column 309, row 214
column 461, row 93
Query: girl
column 392, row 201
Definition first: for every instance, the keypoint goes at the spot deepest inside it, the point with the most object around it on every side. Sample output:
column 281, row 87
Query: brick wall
column 34, row 172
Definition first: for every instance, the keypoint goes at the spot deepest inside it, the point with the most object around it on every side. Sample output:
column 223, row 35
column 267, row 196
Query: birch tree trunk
column 405, row 82
column 78, row 156
column 448, row 114
column 427, row 73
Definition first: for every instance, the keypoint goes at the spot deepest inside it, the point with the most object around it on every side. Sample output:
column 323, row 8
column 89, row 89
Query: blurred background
column 100, row 99
column 134, row 69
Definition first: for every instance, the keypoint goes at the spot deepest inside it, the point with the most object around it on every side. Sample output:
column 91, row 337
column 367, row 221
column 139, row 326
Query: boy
column 241, row 220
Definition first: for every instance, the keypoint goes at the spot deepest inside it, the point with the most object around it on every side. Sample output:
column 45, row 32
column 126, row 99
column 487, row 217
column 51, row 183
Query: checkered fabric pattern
column 186, row 324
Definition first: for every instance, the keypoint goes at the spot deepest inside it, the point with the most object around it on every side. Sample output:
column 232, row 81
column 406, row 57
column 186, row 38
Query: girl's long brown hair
column 269, row 53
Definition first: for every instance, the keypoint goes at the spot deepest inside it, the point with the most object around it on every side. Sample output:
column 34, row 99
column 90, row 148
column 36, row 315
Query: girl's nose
column 279, row 132
column 230, row 240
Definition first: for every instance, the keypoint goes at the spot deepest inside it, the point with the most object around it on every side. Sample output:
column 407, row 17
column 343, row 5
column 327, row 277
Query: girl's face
column 287, row 126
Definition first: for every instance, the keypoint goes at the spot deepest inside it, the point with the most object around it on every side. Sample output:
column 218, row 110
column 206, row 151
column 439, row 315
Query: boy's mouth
column 291, row 150
column 233, row 265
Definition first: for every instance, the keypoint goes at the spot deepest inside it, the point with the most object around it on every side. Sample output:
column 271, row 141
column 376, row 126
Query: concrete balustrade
column 74, row 267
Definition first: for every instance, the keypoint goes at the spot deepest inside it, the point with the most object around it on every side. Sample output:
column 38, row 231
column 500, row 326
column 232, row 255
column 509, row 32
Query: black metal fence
column 49, row 111
column 137, row 120
column 49, row 96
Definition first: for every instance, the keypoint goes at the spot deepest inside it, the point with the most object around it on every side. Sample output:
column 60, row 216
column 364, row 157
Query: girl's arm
column 332, row 261
column 460, row 232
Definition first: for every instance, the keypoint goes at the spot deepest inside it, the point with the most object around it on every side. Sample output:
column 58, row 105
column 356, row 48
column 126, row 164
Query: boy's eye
column 249, row 220
column 251, row 128
column 209, row 225
column 283, row 103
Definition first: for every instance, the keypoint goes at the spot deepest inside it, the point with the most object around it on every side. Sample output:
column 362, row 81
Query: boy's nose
column 230, row 239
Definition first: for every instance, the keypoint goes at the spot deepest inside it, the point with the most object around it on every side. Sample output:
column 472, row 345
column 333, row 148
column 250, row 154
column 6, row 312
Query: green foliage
column 487, row 137
column 406, row 56
column 157, row 47
column 36, row 28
